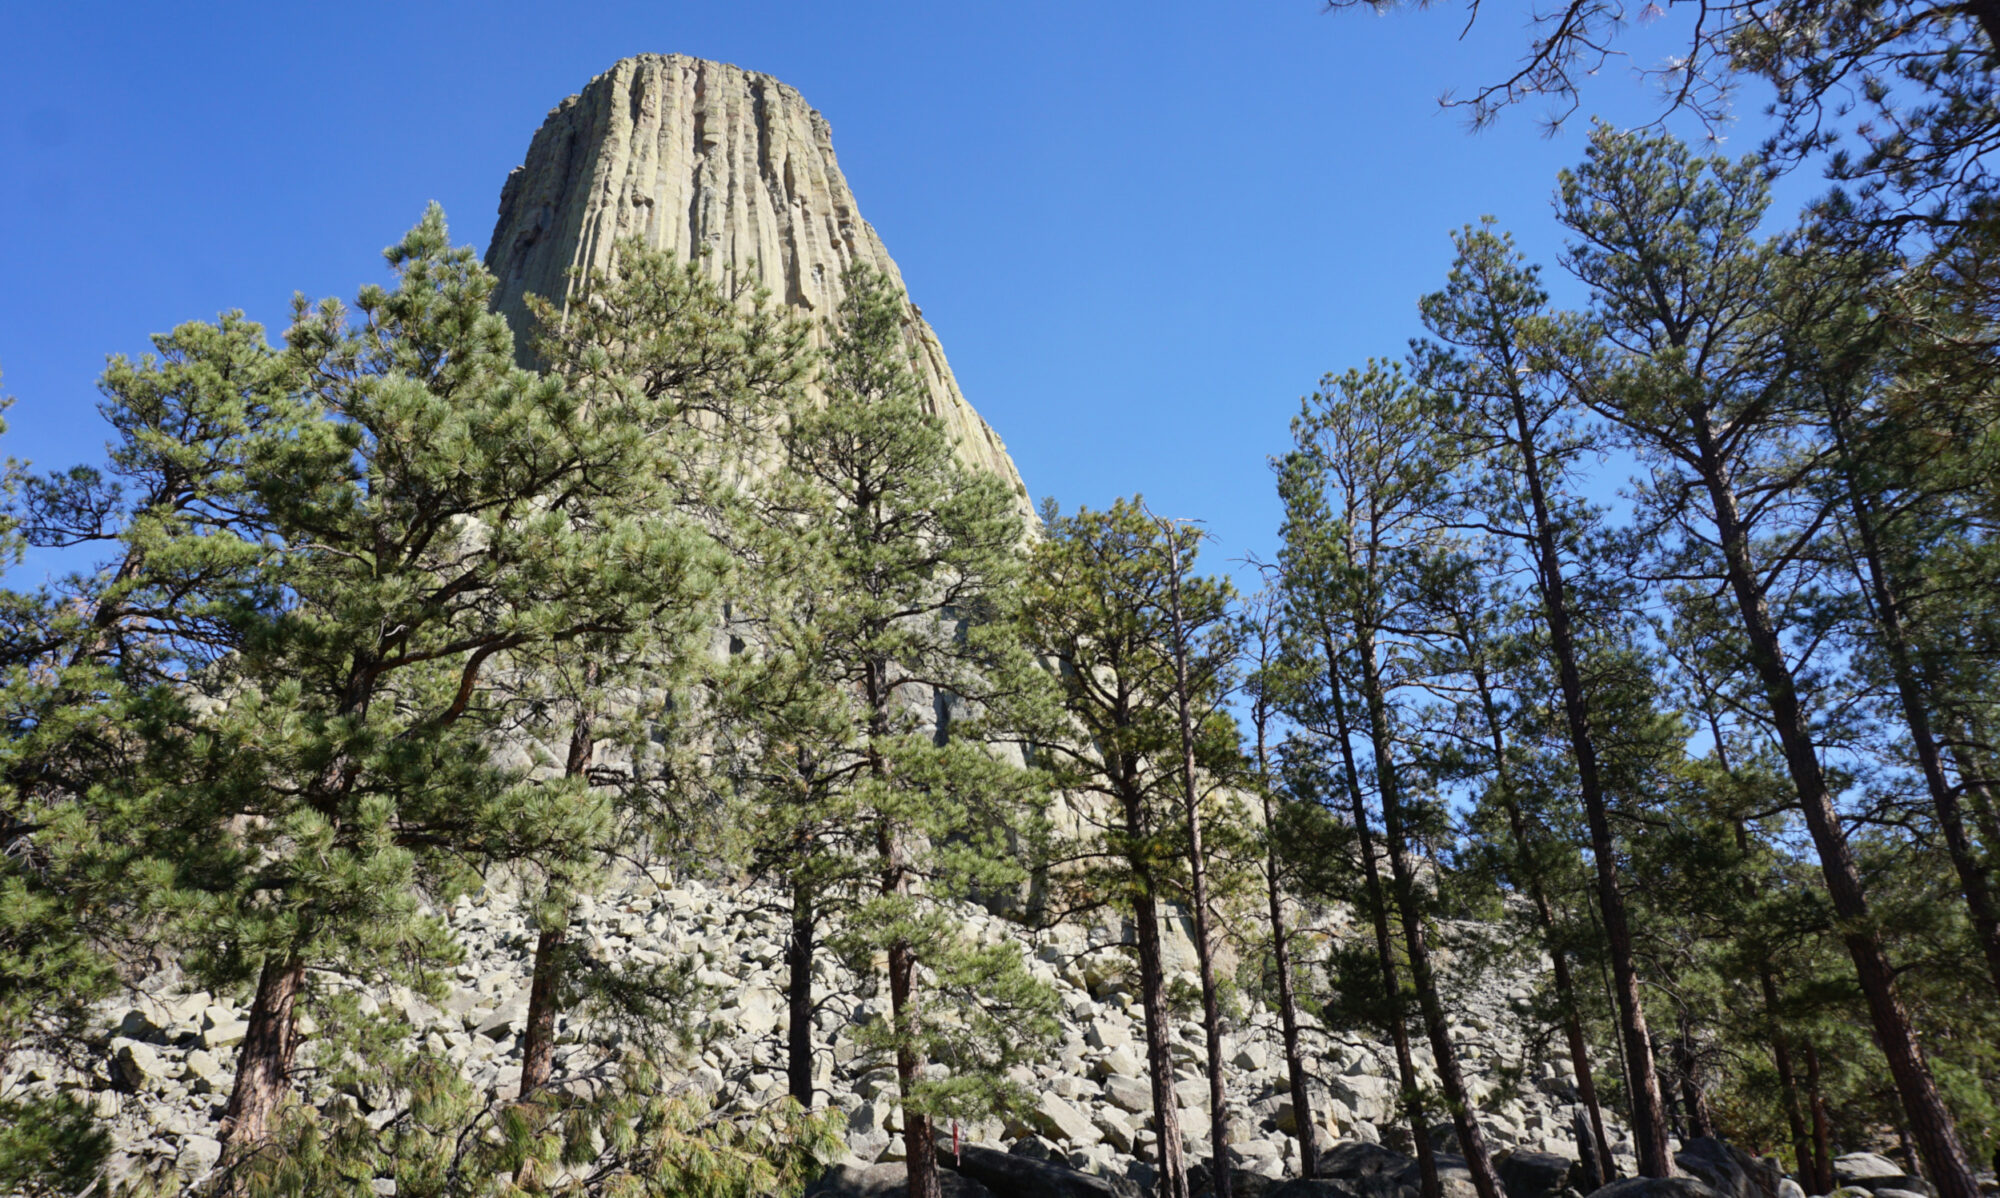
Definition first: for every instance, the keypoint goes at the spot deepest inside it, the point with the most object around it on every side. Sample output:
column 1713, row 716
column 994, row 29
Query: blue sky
column 1142, row 231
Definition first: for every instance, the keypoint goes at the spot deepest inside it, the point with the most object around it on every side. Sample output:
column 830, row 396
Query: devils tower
column 710, row 161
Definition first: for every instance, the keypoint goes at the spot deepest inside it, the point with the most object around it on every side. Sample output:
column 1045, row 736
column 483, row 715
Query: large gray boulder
column 1242, row 1182
column 887, row 1181
column 1454, row 1177
column 1351, row 1160
column 1011, row 1175
column 1766, row 1173
column 1715, row 1165
column 1655, row 1187
column 1535, row 1174
column 1874, row 1172
column 1318, row 1187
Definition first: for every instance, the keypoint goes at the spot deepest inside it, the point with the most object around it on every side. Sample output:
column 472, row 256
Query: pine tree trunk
column 1589, row 1153
column 1913, row 697
column 1211, row 1021
column 1288, row 1013
column 1281, row 956
column 1781, row 1056
column 538, row 1037
column 263, row 1064
column 1988, row 13
column 798, row 999
column 1649, row 1129
column 1822, row 1131
column 1173, row 1181
column 1788, row 1084
column 1691, row 1097
column 1929, row 1121
column 1566, row 996
column 1579, row 1062
column 545, row 992
column 918, row 1139
column 1211, row 1014
column 1672, row 1095
column 1767, row 985
column 919, row 1145
column 1385, row 949
column 1471, row 1144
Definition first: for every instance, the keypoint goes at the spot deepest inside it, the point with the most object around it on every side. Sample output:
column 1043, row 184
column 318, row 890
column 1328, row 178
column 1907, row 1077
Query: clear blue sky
column 1142, row 231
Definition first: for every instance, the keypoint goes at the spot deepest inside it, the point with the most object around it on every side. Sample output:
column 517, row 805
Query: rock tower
column 704, row 159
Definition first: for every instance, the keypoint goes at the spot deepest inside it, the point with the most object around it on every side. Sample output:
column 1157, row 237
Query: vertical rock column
column 711, row 161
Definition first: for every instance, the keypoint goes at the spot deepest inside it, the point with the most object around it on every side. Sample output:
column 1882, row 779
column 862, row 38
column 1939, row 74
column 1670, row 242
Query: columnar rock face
column 704, row 159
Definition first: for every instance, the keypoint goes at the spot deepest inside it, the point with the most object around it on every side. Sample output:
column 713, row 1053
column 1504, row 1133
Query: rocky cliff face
column 712, row 161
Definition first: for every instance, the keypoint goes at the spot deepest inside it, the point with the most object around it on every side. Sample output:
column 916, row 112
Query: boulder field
column 163, row 1068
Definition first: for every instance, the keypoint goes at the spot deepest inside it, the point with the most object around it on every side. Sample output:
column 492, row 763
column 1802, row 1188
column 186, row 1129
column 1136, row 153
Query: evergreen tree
column 702, row 374
column 1531, row 858
column 1365, row 484
column 1314, row 566
column 1201, row 646
column 891, row 614
column 1100, row 605
column 1701, row 376
column 1496, row 357
column 407, row 511
column 1267, row 688
column 1906, row 537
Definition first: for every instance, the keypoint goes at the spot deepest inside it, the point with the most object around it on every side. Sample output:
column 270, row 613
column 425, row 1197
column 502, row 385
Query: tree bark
column 1929, row 1121
column 1822, row 1133
column 1385, row 950
column 918, row 1138
column 919, row 1142
column 263, row 1065
column 1281, row 959
column 1687, row 1069
column 1566, row 996
column 1173, row 1181
column 1988, row 14
column 1211, row 1014
column 1767, row 986
column 1589, row 1153
column 1649, row 1130
column 798, row 998
column 538, row 1038
column 1788, row 1083
column 1471, row 1144
column 545, row 992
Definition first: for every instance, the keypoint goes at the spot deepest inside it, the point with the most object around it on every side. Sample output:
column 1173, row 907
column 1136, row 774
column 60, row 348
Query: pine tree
column 1496, row 355
column 890, row 618
column 408, row 511
column 1267, row 687
column 1201, row 646
column 1532, row 858
column 1701, row 378
column 1365, row 462
column 1904, row 532
column 702, row 373
column 1314, row 565
column 1100, row 603
column 93, row 696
